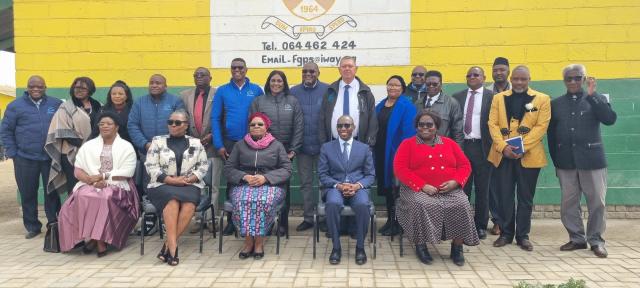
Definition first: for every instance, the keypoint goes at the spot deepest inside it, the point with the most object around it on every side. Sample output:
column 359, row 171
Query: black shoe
column 457, row 254
column 229, row 230
column 361, row 257
column 353, row 235
column 244, row 255
column 102, row 253
column 162, row 255
column 570, row 246
column 173, row 260
column 525, row 245
column 423, row 254
column 393, row 230
column 501, row 241
column 334, row 258
column 482, row 234
column 304, row 226
column 258, row 255
column 89, row 247
column 600, row 251
column 386, row 226
column 31, row 234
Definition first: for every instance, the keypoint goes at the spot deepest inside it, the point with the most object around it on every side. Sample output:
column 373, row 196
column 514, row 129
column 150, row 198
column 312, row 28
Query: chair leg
column 159, row 215
column 315, row 227
column 277, row 236
column 203, row 224
column 375, row 244
column 213, row 221
column 142, row 226
column 221, row 225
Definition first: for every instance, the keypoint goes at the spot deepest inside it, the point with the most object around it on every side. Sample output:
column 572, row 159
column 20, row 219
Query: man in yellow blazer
column 520, row 111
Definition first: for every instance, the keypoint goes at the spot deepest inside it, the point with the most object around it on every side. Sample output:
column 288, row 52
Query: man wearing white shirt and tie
column 476, row 103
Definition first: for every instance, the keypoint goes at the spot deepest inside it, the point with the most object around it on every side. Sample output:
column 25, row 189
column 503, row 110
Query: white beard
column 518, row 90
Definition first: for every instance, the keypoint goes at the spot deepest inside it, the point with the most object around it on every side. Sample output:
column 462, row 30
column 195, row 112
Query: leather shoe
column 230, row 229
column 495, row 230
column 501, row 241
column 570, row 246
column 482, row 234
column 361, row 257
column 334, row 258
column 457, row 254
column 304, row 226
column 600, row 251
column 31, row 234
column 525, row 245
column 422, row 252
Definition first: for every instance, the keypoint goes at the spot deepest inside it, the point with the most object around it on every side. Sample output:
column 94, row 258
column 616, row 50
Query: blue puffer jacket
column 25, row 126
column 148, row 118
column 310, row 100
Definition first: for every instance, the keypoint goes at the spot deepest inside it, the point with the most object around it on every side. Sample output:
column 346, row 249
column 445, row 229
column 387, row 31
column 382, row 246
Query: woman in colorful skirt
column 432, row 205
column 258, row 168
column 103, row 207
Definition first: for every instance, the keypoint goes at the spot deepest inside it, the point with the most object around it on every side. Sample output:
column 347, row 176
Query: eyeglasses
column 256, row 124
column 175, row 122
column 343, row 126
column 310, row 71
column 473, row 75
column 568, row 79
column 427, row 125
column 418, row 74
column 237, row 67
column 200, row 74
column 432, row 84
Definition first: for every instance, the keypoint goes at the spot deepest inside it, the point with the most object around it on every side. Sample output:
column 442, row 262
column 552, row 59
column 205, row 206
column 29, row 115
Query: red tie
column 197, row 113
column 469, row 115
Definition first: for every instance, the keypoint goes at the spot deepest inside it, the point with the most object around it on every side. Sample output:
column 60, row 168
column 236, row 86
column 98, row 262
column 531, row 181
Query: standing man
column 417, row 88
column 23, row 132
column 447, row 108
column 349, row 96
column 524, row 112
column 197, row 101
column 476, row 101
column 500, row 75
column 309, row 94
column 230, row 112
column 576, row 148
column 346, row 172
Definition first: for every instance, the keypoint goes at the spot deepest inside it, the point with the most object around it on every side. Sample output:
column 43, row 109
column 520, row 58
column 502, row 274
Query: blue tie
column 345, row 104
column 345, row 152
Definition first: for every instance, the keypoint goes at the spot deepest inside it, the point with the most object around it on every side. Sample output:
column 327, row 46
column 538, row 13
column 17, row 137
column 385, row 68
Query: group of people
column 425, row 150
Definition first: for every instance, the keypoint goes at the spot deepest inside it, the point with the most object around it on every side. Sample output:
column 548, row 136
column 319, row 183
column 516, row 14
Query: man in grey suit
column 475, row 102
column 577, row 151
column 346, row 172
column 197, row 101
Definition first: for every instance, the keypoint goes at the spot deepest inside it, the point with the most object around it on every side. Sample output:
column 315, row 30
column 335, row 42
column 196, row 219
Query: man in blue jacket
column 23, row 132
column 229, row 114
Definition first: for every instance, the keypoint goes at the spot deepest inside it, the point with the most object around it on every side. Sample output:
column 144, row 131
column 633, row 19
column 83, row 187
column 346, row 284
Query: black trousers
column 479, row 180
column 68, row 170
column 512, row 179
column 27, row 172
column 284, row 213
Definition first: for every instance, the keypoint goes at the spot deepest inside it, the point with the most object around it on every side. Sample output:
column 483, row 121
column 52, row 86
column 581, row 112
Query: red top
column 419, row 164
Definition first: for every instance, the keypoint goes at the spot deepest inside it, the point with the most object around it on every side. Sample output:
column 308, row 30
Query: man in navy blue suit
column 346, row 173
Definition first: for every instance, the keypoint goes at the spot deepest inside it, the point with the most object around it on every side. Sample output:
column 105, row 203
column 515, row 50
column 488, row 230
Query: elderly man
column 447, row 108
column 476, row 103
column 577, row 151
column 500, row 74
column 197, row 101
column 349, row 96
column 523, row 112
column 23, row 132
column 346, row 172
column 309, row 94
column 417, row 89
column 230, row 112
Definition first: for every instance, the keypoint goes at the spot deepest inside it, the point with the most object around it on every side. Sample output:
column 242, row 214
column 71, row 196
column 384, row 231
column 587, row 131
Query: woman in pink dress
column 103, row 207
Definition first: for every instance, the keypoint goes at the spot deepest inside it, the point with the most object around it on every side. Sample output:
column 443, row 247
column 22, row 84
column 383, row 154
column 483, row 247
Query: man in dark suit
column 346, row 172
column 576, row 148
column 476, row 103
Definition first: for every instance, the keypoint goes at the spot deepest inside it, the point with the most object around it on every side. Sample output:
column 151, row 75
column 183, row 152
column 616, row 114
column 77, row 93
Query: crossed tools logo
column 308, row 11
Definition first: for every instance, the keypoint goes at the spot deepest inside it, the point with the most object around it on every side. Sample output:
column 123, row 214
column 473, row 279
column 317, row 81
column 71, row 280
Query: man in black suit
column 475, row 102
column 576, row 148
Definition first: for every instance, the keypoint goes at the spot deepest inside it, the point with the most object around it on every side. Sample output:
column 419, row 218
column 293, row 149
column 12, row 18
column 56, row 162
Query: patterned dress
column 254, row 208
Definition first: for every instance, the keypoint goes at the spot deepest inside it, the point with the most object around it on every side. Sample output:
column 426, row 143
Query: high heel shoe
column 162, row 255
column 102, row 253
column 173, row 260
column 244, row 255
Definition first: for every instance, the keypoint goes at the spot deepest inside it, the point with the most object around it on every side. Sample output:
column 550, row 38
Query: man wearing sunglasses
column 309, row 94
column 447, row 108
column 476, row 103
column 416, row 88
column 230, row 111
column 198, row 101
column 577, row 151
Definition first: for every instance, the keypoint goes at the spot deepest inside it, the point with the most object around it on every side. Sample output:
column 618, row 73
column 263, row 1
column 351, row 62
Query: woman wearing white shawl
column 103, row 207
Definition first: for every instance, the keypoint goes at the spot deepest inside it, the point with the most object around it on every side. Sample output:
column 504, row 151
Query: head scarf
column 264, row 141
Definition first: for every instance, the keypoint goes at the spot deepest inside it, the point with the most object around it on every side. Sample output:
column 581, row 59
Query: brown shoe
column 600, row 251
column 570, row 246
column 495, row 230
column 501, row 241
column 525, row 245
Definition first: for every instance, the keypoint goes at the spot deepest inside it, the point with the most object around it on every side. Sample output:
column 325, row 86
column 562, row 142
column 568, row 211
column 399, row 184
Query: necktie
column 428, row 102
column 345, row 152
column 345, row 103
column 197, row 111
column 468, row 117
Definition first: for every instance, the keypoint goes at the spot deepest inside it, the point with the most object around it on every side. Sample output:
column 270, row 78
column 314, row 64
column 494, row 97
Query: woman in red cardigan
column 432, row 205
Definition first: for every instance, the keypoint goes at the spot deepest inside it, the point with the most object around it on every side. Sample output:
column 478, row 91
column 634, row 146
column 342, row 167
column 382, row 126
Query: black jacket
column 487, row 97
column 574, row 136
column 286, row 115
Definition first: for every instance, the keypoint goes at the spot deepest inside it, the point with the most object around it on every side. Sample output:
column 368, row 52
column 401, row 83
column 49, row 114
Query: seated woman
column 176, row 164
column 104, row 204
column 258, row 168
column 432, row 205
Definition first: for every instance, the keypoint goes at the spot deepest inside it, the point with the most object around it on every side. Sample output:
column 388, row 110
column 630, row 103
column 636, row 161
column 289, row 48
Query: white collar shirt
column 477, row 111
column 354, row 110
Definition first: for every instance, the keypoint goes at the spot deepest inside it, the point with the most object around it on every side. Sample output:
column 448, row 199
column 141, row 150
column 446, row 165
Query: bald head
column 310, row 73
column 345, row 127
column 418, row 75
column 36, row 87
column 520, row 78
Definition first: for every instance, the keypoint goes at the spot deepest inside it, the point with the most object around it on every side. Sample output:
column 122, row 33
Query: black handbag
column 51, row 240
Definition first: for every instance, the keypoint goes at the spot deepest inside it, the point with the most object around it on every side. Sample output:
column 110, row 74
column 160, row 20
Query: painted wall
column 130, row 40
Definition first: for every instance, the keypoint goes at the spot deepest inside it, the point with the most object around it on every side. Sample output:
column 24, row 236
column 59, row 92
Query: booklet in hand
column 516, row 141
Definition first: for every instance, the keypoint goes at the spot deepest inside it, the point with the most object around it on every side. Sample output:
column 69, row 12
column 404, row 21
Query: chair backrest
column 208, row 178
